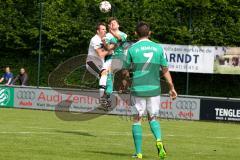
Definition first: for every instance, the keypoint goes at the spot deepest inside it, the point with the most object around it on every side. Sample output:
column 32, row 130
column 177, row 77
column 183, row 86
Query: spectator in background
column 125, row 74
column 22, row 77
column 125, row 82
column 7, row 76
column 124, row 87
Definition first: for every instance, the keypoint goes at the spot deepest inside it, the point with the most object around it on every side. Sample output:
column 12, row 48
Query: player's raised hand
column 104, row 43
column 115, row 34
column 104, row 40
column 173, row 94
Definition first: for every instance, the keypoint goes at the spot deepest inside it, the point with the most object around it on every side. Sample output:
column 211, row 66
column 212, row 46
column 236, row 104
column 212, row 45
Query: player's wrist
column 110, row 52
column 171, row 86
column 119, row 37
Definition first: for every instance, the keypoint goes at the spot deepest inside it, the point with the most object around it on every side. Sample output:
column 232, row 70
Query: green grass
column 40, row 135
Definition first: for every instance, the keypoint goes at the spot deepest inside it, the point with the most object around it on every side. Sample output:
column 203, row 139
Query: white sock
column 102, row 82
column 101, row 92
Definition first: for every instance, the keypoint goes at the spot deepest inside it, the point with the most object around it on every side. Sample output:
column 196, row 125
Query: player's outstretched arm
column 1, row 80
column 167, row 76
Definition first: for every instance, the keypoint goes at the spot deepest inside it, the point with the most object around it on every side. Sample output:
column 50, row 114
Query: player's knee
column 103, row 72
column 137, row 118
column 151, row 118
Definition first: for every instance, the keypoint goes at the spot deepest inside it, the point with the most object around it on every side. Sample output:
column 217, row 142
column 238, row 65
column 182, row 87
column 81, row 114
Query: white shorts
column 93, row 72
column 143, row 104
column 113, row 65
column 98, row 64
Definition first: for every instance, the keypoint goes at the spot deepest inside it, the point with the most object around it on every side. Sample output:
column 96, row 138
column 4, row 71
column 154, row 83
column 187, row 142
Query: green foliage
column 18, row 27
column 68, row 26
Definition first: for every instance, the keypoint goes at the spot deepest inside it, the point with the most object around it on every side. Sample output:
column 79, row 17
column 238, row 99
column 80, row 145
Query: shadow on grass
column 113, row 153
column 110, row 153
column 78, row 133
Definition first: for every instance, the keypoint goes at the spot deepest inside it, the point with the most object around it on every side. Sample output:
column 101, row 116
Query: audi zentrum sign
column 49, row 99
column 181, row 108
column 26, row 94
column 187, row 105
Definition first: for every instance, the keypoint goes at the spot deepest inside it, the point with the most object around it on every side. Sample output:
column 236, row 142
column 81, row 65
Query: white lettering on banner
column 227, row 112
column 187, row 58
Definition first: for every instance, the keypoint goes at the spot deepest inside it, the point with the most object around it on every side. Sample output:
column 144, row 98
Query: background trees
column 68, row 26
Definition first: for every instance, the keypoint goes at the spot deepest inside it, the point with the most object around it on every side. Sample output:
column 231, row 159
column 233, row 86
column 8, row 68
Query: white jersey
column 95, row 43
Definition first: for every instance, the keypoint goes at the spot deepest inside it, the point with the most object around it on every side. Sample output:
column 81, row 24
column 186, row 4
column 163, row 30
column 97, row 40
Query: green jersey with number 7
column 147, row 57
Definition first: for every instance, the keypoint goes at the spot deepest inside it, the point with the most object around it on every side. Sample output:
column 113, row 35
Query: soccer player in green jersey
column 113, row 42
column 147, row 58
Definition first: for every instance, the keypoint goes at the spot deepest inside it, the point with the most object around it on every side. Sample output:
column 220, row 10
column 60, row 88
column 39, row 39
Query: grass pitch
column 40, row 135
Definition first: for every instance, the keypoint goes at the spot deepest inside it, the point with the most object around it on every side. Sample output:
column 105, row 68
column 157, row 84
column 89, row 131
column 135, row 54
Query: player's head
column 101, row 29
column 143, row 29
column 113, row 23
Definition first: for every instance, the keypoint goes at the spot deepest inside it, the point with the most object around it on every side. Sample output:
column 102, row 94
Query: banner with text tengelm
column 187, row 58
column 223, row 110
column 83, row 101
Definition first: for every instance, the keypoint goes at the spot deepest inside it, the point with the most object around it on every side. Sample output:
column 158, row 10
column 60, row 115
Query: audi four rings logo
column 26, row 95
column 186, row 105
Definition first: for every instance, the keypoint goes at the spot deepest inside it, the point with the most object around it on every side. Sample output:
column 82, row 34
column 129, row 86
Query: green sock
column 109, row 86
column 137, row 137
column 156, row 130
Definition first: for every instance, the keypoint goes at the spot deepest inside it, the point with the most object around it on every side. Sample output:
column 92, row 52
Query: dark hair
column 142, row 29
column 100, row 24
column 112, row 19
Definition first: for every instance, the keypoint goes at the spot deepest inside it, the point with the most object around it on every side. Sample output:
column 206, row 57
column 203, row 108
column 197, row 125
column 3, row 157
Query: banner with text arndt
column 203, row 59
column 187, row 58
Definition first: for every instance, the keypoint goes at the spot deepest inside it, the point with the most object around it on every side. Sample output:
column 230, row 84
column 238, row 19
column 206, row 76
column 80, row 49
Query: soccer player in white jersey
column 147, row 58
column 96, row 57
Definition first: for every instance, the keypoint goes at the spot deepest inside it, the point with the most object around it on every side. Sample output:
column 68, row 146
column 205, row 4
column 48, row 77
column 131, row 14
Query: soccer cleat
column 161, row 150
column 137, row 156
column 108, row 104
column 134, row 155
column 103, row 100
column 105, row 103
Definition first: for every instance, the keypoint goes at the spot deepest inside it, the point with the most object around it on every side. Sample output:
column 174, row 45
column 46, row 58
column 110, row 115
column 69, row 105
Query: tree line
column 68, row 25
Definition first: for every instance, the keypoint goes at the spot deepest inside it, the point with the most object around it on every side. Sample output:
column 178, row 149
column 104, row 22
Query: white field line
column 26, row 132
column 105, row 133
